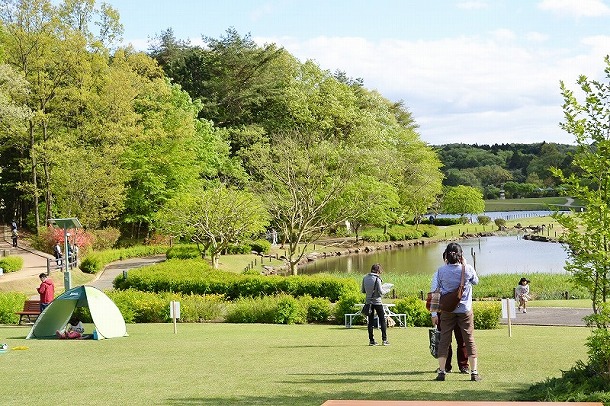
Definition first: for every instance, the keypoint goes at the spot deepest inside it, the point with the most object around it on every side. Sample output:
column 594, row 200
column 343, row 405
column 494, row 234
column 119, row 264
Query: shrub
column 147, row 307
column 183, row 251
column 500, row 223
column 11, row 263
column 96, row 261
column 9, row 304
column 47, row 237
column 375, row 236
column 105, row 238
column 236, row 249
column 486, row 315
column 261, row 246
column 347, row 304
column 415, row 309
column 289, row 311
column 250, row 310
column 318, row 309
column 483, row 220
column 196, row 276
column 446, row 221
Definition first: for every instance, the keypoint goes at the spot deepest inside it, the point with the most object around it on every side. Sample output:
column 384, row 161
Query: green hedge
column 196, row 276
column 146, row 307
column 281, row 309
column 94, row 262
column 9, row 304
column 11, row 263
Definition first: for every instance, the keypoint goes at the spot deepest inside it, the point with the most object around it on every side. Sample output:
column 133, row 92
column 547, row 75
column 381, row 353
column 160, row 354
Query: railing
column 55, row 264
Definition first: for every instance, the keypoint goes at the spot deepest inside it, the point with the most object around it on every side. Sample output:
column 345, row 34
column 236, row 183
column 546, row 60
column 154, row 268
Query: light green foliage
column 11, row 263
column 147, row 307
column 9, row 304
column 486, row 315
column 213, row 218
column 588, row 232
column 95, row 261
column 462, row 200
column 415, row 309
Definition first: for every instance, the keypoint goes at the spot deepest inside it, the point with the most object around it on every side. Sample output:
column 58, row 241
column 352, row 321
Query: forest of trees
column 121, row 138
column 520, row 170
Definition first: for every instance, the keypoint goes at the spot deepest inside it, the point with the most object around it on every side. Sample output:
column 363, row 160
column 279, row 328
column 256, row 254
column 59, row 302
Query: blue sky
column 471, row 71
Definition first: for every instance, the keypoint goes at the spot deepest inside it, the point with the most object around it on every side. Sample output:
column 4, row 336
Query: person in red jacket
column 46, row 290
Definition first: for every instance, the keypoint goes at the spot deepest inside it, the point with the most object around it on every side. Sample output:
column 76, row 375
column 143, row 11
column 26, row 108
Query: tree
column 588, row 232
column 462, row 200
column 213, row 218
column 301, row 183
column 372, row 202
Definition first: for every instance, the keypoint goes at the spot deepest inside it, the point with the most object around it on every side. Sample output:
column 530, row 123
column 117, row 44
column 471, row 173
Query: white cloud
column 472, row 4
column 534, row 36
column 575, row 8
column 464, row 89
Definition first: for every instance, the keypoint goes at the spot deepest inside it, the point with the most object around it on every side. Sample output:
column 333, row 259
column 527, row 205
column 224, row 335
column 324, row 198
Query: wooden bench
column 31, row 309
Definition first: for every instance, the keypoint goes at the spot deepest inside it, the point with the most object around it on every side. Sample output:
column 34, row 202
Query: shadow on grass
column 319, row 398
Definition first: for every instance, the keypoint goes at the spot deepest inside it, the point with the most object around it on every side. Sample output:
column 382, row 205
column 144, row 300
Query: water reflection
column 491, row 255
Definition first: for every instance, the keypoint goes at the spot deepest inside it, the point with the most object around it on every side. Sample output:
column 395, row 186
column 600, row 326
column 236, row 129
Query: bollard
column 124, row 274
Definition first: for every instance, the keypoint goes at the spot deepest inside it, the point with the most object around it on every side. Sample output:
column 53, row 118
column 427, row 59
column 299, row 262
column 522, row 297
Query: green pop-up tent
column 108, row 320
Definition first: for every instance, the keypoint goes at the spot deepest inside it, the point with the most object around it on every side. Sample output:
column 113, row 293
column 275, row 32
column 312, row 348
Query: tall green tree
column 300, row 184
column 213, row 218
column 462, row 200
column 588, row 231
column 50, row 45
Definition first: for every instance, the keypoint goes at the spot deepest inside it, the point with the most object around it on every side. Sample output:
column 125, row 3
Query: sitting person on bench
column 74, row 329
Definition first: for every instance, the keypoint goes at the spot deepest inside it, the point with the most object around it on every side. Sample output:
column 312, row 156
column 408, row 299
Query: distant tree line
column 519, row 170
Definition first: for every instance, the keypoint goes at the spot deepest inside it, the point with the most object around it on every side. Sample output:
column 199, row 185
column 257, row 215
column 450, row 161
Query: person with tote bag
column 452, row 277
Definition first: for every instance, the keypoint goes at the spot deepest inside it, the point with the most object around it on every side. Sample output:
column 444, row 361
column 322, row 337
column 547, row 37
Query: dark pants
column 371, row 322
column 462, row 354
column 43, row 306
column 14, row 241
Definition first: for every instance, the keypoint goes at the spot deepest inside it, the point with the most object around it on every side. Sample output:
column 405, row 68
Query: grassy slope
column 273, row 364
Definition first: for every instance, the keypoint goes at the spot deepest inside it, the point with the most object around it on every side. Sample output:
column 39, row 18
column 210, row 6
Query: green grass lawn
column 253, row 364
column 531, row 203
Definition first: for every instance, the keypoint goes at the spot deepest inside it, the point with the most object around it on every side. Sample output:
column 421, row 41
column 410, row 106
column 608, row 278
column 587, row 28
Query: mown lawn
column 252, row 364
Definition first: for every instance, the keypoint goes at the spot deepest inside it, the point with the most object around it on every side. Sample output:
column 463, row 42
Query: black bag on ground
column 435, row 338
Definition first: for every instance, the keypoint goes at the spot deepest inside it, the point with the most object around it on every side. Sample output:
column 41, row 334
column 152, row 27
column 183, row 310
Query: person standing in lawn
column 46, row 291
column 449, row 277
column 462, row 354
column 372, row 286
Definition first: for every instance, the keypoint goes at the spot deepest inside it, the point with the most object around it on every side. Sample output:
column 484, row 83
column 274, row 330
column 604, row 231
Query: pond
column 490, row 255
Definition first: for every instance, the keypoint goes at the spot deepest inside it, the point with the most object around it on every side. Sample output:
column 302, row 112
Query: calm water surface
column 491, row 255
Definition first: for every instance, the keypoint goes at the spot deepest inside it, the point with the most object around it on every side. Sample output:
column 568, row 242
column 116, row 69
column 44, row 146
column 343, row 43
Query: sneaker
column 386, row 342
column 475, row 377
column 464, row 370
column 440, row 376
column 524, row 311
column 372, row 343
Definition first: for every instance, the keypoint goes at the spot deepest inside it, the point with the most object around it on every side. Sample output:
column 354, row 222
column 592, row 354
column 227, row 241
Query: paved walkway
column 35, row 262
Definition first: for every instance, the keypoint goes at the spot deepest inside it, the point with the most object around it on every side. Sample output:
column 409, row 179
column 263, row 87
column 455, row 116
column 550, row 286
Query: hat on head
column 524, row 280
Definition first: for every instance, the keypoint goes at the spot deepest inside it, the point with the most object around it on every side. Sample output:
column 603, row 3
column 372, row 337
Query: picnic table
column 401, row 318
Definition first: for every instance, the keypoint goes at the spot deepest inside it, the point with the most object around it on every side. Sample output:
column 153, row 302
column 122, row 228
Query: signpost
column 508, row 312
column 66, row 224
column 174, row 313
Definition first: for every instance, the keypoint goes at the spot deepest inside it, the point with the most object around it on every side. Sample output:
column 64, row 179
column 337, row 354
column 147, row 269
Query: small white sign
column 508, row 310
column 174, row 309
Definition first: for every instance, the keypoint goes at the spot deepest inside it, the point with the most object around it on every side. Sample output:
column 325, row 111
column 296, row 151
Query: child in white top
column 522, row 294
column 74, row 329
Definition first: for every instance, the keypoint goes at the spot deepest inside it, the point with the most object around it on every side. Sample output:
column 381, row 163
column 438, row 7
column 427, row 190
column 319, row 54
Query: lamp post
column 66, row 224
